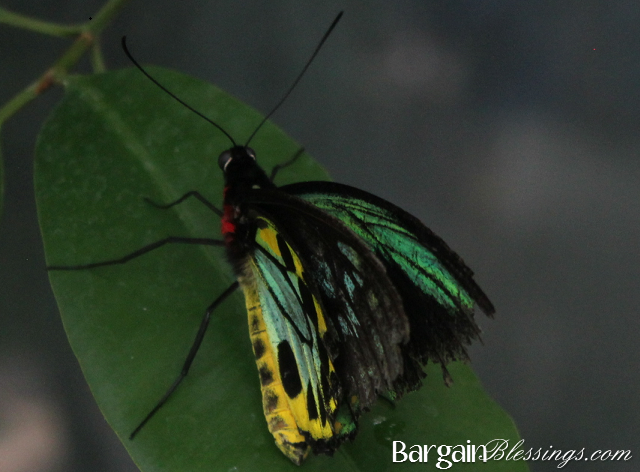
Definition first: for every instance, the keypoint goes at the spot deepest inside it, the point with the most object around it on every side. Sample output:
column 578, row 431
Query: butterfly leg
column 140, row 252
column 190, row 357
column 278, row 167
column 192, row 193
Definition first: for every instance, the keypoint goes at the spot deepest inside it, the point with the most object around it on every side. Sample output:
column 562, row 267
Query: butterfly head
column 240, row 167
column 238, row 155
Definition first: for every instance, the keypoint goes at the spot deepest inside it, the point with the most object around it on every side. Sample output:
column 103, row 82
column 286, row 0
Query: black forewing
column 437, row 288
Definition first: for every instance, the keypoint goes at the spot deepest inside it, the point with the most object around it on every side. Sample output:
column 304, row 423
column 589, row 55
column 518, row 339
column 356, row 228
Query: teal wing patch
column 386, row 235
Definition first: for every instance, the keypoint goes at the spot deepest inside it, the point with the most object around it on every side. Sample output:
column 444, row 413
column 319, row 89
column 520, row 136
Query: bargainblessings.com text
column 497, row 450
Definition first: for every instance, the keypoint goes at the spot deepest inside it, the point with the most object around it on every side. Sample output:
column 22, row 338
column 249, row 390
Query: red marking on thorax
column 228, row 226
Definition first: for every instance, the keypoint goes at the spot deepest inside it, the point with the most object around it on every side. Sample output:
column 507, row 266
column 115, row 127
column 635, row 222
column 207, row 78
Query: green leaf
column 115, row 139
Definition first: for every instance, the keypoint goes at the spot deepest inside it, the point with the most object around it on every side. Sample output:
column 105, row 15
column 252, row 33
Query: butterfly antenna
column 295, row 82
column 172, row 95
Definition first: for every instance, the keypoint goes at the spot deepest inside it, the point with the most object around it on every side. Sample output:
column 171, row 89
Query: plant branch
column 97, row 60
column 39, row 26
column 86, row 38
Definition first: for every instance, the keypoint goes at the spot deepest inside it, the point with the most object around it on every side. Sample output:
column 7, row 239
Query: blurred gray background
column 509, row 127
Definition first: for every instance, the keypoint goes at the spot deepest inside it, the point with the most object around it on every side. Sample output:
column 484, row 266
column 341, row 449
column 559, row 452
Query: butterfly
column 347, row 296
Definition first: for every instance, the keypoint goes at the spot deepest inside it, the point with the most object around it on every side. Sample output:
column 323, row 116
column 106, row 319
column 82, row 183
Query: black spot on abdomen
column 270, row 402
column 258, row 348
column 266, row 376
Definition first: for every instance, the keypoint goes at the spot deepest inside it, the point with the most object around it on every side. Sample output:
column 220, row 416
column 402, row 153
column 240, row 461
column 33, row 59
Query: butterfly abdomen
column 280, row 420
column 275, row 394
column 300, row 388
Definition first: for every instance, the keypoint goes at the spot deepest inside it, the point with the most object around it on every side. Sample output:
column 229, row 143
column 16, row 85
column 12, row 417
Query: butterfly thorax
column 242, row 176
